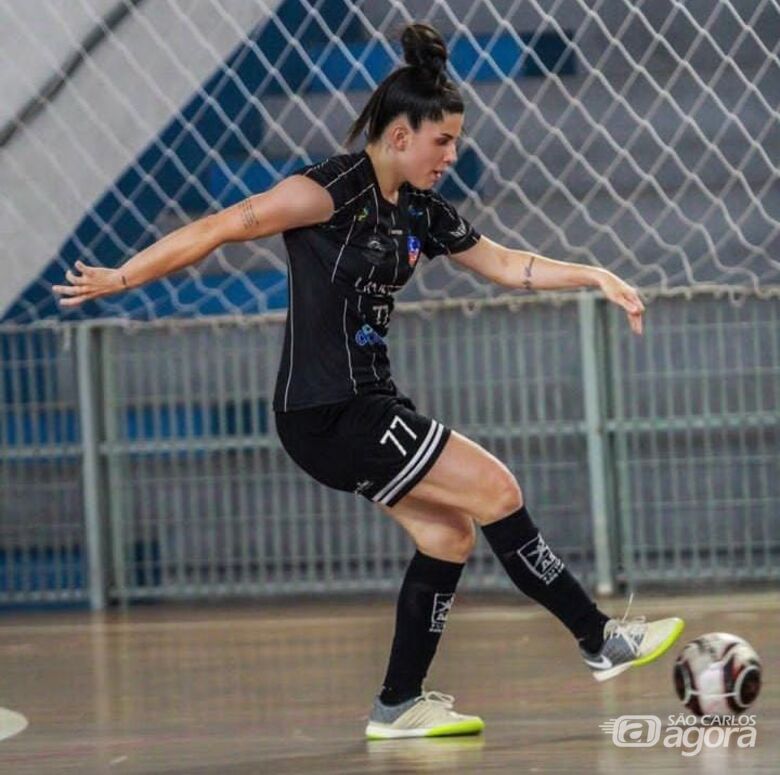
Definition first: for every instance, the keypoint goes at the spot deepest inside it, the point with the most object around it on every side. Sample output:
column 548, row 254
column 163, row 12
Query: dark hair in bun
column 425, row 50
column 420, row 90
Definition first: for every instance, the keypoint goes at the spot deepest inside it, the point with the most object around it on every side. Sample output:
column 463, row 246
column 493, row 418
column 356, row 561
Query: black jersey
column 343, row 275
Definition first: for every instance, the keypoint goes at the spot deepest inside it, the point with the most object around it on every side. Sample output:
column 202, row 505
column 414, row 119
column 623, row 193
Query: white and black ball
column 717, row 673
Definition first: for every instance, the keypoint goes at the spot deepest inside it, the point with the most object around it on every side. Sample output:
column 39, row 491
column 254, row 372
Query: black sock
column 541, row 575
column 424, row 601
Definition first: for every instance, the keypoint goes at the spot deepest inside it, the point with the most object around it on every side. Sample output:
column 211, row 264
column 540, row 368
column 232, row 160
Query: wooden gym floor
column 286, row 688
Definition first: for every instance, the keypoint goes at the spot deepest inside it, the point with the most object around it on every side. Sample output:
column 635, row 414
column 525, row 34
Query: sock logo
column 442, row 602
column 540, row 560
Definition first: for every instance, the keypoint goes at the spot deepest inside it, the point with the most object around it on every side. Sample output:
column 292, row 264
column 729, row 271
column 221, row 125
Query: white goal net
column 639, row 136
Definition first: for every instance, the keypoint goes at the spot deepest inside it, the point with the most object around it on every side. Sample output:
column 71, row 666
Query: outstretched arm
column 521, row 269
column 294, row 202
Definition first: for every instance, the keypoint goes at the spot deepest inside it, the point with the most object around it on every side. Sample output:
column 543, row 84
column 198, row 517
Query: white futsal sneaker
column 631, row 643
column 429, row 715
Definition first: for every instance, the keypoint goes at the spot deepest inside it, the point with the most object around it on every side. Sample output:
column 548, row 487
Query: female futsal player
column 354, row 228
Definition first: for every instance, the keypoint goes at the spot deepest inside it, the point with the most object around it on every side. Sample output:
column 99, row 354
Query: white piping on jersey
column 349, row 356
column 315, row 167
column 292, row 335
column 441, row 244
column 428, row 214
column 376, row 206
column 430, row 236
column 397, row 257
column 440, row 200
column 346, row 172
column 371, row 185
column 349, row 234
column 412, row 468
column 373, row 354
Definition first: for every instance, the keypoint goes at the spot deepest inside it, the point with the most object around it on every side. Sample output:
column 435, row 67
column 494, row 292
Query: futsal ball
column 717, row 673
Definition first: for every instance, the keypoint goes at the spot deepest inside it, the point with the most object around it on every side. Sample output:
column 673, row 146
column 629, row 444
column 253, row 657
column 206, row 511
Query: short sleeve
column 448, row 231
column 337, row 175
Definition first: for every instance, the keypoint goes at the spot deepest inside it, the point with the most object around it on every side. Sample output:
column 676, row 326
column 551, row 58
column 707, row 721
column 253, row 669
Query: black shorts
column 375, row 444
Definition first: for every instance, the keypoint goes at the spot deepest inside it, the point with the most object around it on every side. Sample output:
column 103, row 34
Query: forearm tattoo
column 527, row 271
column 248, row 215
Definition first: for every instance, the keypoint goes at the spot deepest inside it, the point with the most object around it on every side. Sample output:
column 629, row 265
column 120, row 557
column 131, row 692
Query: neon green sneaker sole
column 472, row 726
column 663, row 647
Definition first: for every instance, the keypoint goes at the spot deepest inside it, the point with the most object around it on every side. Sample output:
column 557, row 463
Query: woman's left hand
column 625, row 296
column 92, row 283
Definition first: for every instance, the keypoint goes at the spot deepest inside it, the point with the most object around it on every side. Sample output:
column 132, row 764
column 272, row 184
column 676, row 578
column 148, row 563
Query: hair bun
column 425, row 49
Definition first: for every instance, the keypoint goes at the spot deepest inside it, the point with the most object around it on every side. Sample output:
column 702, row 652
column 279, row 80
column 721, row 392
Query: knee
column 453, row 543
column 500, row 495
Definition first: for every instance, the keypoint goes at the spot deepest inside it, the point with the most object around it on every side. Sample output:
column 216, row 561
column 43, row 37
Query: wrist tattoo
column 248, row 215
column 124, row 279
column 527, row 271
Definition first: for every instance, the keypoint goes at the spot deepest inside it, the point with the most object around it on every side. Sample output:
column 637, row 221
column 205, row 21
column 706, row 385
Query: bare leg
column 467, row 479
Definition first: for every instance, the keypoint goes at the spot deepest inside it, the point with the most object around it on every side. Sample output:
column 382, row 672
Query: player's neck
column 388, row 180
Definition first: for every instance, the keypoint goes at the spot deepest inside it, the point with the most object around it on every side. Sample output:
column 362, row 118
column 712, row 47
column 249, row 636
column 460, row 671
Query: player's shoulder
column 441, row 226
column 346, row 177
column 427, row 198
column 339, row 169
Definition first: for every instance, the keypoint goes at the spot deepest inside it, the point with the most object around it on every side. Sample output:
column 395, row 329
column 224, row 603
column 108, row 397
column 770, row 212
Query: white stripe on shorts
column 412, row 468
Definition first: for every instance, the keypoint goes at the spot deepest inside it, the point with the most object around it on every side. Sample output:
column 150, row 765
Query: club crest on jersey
column 413, row 246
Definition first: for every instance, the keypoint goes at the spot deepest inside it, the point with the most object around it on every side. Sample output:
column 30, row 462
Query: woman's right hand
column 292, row 203
column 92, row 283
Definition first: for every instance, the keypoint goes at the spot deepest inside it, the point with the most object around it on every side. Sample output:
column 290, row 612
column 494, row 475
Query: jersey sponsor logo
column 413, row 246
column 380, row 248
column 367, row 336
column 381, row 314
column 442, row 603
column 363, row 214
column 374, row 288
column 375, row 244
column 540, row 560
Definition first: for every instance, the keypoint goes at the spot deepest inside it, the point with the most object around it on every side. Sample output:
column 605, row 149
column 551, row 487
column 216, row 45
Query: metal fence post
column 595, row 431
column 87, row 358
column 622, row 523
column 113, row 465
